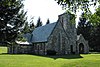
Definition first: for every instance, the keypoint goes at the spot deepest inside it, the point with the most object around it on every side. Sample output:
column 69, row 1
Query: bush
column 51, row 52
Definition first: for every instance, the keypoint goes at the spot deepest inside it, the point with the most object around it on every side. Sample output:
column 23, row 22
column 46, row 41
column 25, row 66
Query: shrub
column 51, row 52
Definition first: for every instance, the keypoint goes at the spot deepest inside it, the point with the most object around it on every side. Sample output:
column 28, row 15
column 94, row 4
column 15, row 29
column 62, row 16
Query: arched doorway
column 81, row 48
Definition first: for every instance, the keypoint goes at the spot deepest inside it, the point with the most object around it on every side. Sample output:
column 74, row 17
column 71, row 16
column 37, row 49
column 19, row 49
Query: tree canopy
column 73, row 5
column 39, row 22
column 95, row 18
column 12, row 19
column 48, row 21
column 90, row 29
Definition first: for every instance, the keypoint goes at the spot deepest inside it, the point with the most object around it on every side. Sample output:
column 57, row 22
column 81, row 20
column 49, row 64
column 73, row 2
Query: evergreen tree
column 39, row 22
column 84, row 27
column 95, row 34
column 26, row 28
column 48, row 21
column 12, row 19
column 20, row 37
column 32, row 27
column 91, row 30
column 29, row 26
column 95, row 38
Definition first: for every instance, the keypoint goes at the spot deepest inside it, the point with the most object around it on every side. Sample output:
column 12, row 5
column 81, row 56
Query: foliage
column 95, row 18
column 21, row 37
column 48, row 21
column 95, row 38
column 26, row 28
column 95, row 33
column 39, row 22
column 84, row 27
column 32, row 26
column 29, row 26
column 91, row 29
column 72, row 16
column 12, row 19
column 88, row 60
column 73, row 5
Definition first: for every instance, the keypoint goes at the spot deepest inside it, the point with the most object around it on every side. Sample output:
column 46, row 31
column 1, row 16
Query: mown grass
column 23, row 60
column 3, row 50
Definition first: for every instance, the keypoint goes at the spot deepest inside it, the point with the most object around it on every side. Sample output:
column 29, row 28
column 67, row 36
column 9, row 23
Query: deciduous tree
column 73, row 5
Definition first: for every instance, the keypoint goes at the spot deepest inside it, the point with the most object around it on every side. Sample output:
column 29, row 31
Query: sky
column 44, row 9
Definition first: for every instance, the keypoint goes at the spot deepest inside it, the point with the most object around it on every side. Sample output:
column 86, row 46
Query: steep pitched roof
column 42, row 33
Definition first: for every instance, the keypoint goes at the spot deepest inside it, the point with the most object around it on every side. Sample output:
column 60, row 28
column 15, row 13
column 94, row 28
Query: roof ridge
column 45, row 25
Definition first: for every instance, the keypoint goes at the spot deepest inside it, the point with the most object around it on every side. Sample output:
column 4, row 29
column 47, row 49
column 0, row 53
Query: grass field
column 18, row 60
column 3, row 50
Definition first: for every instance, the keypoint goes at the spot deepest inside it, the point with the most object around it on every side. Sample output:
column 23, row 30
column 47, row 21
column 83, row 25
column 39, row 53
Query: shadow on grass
column 12, row 54
column 75, row 56
column 71, row 56
column 94, row 52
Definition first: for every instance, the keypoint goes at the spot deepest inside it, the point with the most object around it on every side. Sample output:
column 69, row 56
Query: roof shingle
column 42, row 33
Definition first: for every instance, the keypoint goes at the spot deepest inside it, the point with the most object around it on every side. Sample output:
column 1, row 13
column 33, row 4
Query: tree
column 39, row 22
column 12, row 19
column 73, row 5
column 29, row 26
column 84, row 27
column 26, row 28
column 95, row 34
column 20, row 37
column 48, row 21
column 95, row 18
column 95, row 38
column 32, row 26
column 91, row 31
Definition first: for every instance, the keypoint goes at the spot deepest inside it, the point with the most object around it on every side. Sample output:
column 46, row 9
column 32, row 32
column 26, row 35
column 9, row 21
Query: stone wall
column 69, row 29
column 20, row 49
column 39, row 48
column 81, row 40
column 63, row 39
column 58, row 40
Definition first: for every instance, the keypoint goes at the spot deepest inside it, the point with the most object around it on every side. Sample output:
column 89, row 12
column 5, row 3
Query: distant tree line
column 29, row 27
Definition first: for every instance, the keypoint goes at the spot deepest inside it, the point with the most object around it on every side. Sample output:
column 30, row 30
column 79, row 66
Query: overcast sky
column 43, row 8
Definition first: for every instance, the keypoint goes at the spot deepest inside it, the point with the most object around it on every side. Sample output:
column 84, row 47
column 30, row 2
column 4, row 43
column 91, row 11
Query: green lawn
column 83, row 60
column 3, row 50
